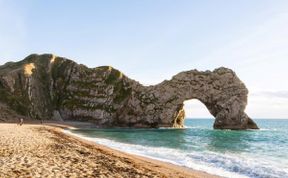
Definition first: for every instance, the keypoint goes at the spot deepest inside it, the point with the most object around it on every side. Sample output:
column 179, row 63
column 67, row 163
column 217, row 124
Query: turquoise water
column 252, row 153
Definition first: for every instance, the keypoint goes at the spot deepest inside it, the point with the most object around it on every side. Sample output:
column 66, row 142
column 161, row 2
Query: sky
column 152, row 40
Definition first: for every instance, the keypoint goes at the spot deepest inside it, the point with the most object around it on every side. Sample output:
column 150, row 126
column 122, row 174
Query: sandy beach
column 35, row 150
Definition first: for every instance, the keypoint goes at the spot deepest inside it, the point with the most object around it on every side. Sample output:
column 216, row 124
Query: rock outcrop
column 50, row 87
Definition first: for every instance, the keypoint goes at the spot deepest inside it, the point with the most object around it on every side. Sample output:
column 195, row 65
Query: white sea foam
column 193, row 127
column 203, row 162
column 264, row 129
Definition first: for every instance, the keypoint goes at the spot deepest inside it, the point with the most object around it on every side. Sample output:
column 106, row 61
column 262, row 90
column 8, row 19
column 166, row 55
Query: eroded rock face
column 50, row 87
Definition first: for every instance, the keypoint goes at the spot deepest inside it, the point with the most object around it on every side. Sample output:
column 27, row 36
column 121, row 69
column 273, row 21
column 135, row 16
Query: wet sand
column 33, row 150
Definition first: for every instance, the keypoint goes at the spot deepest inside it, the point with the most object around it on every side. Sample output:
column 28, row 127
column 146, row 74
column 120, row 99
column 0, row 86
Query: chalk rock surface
column 50, row 87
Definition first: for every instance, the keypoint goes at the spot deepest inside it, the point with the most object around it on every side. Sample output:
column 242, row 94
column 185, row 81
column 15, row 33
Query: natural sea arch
column 221, row 91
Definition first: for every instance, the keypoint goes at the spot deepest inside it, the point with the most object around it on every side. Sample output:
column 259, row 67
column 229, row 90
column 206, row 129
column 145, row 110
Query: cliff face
column 50, row 87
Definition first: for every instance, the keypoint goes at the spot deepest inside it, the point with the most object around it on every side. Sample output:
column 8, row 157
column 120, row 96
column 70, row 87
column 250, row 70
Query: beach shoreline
column 73, row 155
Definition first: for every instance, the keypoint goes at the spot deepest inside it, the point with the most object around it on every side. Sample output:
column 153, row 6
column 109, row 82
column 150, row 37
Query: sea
column 227, row 153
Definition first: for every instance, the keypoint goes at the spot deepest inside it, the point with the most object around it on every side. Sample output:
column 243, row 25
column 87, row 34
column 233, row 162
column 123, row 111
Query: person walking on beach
column 21, row 121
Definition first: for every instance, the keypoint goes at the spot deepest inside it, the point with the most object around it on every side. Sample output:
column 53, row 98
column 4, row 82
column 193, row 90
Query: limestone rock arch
column 221, row 91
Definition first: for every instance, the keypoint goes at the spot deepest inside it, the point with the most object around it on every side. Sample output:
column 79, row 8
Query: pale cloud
column 268, row 104
column 271, row 94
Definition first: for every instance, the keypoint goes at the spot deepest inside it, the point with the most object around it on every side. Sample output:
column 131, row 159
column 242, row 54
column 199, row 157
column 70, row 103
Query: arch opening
column 196, row 113
column 195, row 109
